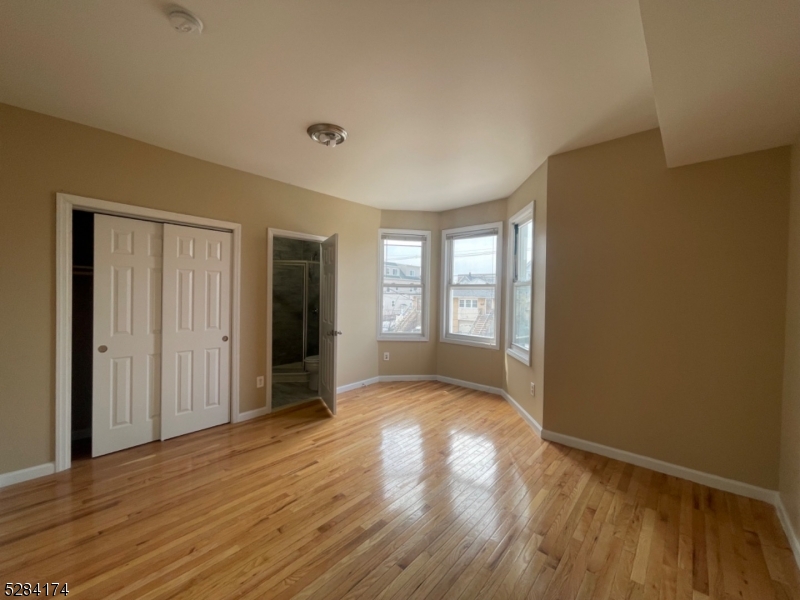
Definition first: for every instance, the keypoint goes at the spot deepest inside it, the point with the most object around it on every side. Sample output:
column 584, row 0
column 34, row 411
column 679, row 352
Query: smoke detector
column 327, row 134
column 183, row 21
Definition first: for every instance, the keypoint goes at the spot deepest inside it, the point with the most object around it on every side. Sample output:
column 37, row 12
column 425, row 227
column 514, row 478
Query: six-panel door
column 196, row 330
column 126, row 378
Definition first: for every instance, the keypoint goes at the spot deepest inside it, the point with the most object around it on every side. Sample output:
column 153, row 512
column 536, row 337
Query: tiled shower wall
column 288, row 305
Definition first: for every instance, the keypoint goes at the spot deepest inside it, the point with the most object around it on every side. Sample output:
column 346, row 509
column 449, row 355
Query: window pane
column 474, row 260
column 472, row 312
column 402, row 310
column 524, row 251
column 521, row 334
column 402, row 261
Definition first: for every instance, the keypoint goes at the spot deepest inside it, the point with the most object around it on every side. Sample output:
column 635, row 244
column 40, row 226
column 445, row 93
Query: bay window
column 471, row 268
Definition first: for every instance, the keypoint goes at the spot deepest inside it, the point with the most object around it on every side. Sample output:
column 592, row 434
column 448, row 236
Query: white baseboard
column 441, row 378
column 252, row 414
column 713, row 481
column 523, row 413
column 357, row 384
column 395, row 378
column 260, row 412
column 473, row 386
column 27, row 474
column 788, row 529
column 468, row 384
column 707, row 479
column 391, row 378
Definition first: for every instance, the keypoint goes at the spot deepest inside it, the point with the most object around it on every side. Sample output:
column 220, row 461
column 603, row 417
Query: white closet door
column 328, row 322
column 196, row 340
column 126, row 384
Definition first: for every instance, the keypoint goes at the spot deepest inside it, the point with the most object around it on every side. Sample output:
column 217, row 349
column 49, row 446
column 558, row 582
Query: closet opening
column 147, row 326
column 82, row 285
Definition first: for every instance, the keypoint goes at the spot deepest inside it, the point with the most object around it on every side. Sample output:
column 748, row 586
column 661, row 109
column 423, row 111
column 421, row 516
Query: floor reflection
column 472, row 471
column 403, row 460
column 473, row 465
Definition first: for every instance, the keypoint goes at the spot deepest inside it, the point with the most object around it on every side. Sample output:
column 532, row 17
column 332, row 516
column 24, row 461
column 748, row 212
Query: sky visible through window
column 471, row 255
column 404, row 252
column 475, row 255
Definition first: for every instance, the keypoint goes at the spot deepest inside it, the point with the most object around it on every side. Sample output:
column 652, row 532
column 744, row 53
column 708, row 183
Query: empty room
column 444, row 299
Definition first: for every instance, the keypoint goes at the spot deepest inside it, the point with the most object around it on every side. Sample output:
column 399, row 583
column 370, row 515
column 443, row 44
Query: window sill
column 485, row 345
column 404, row 338
column 523, row 357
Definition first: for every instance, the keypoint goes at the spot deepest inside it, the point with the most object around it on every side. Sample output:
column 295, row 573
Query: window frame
column 447, row 236
column 528, row 213
column 425, row 280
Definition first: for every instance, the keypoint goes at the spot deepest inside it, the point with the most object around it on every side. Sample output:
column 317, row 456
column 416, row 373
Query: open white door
column 126, row 378
column 329, row 326
column 196, row 332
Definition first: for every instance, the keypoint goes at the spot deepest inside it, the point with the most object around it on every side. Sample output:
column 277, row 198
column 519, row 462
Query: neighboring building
column 402, row 306
column 473, row 310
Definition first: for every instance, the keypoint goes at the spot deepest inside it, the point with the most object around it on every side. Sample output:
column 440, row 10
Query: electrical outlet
column 533, row 389
column 259, row 382
column 385, row 356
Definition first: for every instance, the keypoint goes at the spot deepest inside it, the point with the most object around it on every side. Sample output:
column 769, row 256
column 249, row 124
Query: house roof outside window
column 403, row 275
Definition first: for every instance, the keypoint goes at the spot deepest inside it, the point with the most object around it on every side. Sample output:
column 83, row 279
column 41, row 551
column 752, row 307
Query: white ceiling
column 726, row 75
column 447, row 102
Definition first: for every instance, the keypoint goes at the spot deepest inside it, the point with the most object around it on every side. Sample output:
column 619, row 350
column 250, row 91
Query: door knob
column 224, row 338
column 335, row 333
column 102, row 348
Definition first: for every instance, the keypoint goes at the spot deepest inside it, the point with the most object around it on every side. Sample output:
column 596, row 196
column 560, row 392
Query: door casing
column 329, row 321
column 65, row 205
column 271, row 235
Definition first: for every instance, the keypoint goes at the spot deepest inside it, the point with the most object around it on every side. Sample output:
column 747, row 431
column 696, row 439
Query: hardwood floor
column 416, row 490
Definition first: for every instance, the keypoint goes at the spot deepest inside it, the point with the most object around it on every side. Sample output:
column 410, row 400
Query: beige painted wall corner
column 790, row 410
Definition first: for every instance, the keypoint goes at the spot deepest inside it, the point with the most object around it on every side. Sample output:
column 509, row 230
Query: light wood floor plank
column 415, row 490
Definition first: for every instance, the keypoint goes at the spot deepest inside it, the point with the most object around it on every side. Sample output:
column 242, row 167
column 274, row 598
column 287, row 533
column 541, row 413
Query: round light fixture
column 183, row 21
column 327, row 134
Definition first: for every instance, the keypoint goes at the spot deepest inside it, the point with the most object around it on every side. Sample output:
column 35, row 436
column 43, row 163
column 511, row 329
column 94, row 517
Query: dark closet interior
column 82, row 294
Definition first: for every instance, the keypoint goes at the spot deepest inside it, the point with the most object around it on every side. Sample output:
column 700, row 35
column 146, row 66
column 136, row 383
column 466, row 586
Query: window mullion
column 520, row 286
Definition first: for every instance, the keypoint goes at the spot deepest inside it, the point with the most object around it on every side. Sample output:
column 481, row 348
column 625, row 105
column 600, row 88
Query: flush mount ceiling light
column 183, row 21
column 327, row 134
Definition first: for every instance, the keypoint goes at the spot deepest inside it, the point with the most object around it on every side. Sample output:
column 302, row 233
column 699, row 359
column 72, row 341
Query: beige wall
column 666, row 290
column 40, row 156
column 790, row 436
column 415, row 358
column 518, row 376
column 666, row 295
column 478, row 365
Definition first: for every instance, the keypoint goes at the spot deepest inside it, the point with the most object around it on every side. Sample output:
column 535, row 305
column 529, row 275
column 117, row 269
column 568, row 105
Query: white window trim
column 464, row 340
column 426, row 287
column 512, row 349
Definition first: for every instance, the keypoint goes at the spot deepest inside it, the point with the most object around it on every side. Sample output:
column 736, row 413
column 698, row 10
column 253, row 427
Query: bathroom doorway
column 294, row 294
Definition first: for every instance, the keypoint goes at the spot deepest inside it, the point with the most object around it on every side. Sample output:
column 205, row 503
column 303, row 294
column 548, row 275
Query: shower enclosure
column 295, row 312
column 295, row 321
